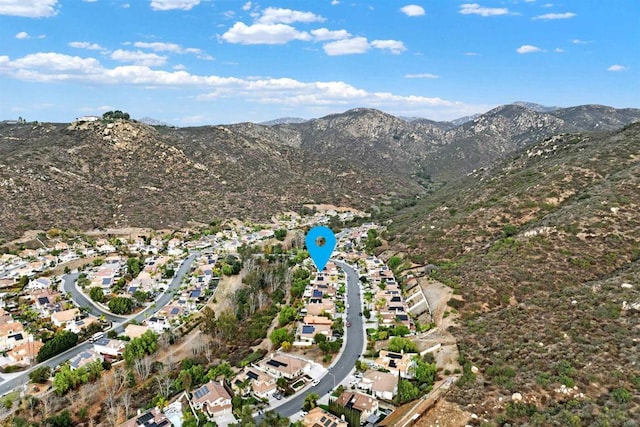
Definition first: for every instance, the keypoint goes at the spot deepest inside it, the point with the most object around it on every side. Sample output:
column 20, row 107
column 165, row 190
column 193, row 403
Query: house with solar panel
column 365, row 404
column 84, row 358
column 214, row 400
column 308, row 332
column 318, row 417
column 284, row 365
column 252, row 380
column 111, row 348
column 152, row 418
column 397, row 363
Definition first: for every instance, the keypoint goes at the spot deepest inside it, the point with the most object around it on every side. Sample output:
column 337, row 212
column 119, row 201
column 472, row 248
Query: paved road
column 354, row 344
column 23, row 378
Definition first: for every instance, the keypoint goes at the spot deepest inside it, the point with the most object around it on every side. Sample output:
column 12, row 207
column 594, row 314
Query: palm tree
column 310, row 401
column 274, row 419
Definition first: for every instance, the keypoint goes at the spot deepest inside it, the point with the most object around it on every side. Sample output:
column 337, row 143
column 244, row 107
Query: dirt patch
column 444, row 414
column 437, row 295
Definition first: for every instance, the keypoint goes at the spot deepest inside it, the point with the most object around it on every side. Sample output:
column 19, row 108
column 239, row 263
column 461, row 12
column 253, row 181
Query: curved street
column 80, row 300
column 351, row 351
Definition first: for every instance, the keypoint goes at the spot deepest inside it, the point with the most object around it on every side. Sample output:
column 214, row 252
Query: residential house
column 151, row 418
column 85, row 358
column 5, row 317
column 134, row 331
column 171, row 311
column 158, row 324
column 308, row 332
column 77, row 326
column 362, row 403
column 46, row 301
column 383, row 385
column 213, row 399
column 318, row 308
column 318, row 417
column 283, row 365
column 317, row 320
column 60, row 318
column 26, row 352
column 11, row 335
column 396, row 363
column 262, row 384
column 109, row 347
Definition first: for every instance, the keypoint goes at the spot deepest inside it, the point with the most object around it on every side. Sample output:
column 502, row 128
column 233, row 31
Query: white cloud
column 617, row 67
column 159, row 46
column 335, row 2
column 421, row 76
column 393, row 46
column 173, row 48
column 351, row 46
column 412, row 10
column 241, row 33
column 472, row 54
column 554, row 16
column 86, row 45
column 578, row 41
column 358, row 45
column 246, row 6
column 476, row 9
column 22, row 35
column 89, row 1
column 174, row 4
column 274, row 15
column 49, row 67
column 527, row 48
column 138, row 58
column 323, row 34
column 29, row 8
column 558, row 50
column 179, row 67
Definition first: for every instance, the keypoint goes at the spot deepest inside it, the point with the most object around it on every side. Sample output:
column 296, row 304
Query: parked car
column 348, row 324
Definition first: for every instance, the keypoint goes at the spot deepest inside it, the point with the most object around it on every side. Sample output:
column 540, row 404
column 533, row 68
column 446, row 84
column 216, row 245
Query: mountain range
column 126, row 173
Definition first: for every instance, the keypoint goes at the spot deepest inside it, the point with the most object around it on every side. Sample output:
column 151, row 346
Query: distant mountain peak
column 535, row 107
column 153, row 122
column 283, row 121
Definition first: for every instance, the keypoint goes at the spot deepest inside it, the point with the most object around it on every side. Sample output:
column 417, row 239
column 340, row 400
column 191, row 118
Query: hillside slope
column 539, row 249
column 126, row 173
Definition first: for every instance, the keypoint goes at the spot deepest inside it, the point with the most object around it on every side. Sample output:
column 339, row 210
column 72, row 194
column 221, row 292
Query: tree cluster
column 145, row 344
column 115, row 115
column 60, row 342
column 121, row 305
column 68, row 379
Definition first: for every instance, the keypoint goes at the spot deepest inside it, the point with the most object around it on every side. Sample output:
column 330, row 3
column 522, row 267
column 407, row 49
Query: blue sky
column 193, row 62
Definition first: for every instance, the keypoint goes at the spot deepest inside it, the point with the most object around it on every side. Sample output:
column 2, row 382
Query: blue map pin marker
column 320, row 253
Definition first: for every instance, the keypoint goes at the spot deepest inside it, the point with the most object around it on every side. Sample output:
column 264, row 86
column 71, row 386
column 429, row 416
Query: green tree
column 121, row 305
column 394, row 262
column 287, row 315
column 40, row 375
column 399, row 344
column 280, row 234
column 134, row 266
column 147, row 343
column 310, row 401
column 60, row 342
column 319, row 338
column 278, row 336
column 96, row 294
column 406, row 391
column 424, row 373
